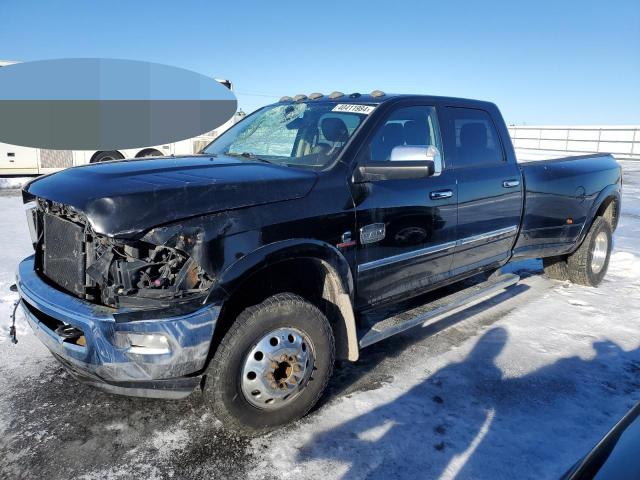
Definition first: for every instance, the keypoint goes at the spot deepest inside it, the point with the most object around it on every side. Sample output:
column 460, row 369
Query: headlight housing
column 145, row 274
column 142, row 275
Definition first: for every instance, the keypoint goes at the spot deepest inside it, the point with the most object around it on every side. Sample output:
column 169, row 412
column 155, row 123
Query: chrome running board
column 436, row 310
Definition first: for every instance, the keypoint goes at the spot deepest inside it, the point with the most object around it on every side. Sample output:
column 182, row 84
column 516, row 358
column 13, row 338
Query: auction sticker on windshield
column 353, row 108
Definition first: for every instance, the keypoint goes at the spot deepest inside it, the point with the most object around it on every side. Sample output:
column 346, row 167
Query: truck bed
column 549, row 157
column 560, row 195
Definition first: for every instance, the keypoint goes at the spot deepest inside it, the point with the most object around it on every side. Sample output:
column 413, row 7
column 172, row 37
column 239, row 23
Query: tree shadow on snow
column 471, row 420
column 363, row 375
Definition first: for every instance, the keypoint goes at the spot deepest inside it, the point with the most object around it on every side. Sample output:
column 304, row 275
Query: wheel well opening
column 311, row 278
column 609, row 210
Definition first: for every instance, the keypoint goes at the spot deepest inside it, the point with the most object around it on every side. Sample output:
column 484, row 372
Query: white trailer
column 25, row 161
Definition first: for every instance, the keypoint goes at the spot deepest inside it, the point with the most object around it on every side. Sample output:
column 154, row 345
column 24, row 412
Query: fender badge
column 372, row 233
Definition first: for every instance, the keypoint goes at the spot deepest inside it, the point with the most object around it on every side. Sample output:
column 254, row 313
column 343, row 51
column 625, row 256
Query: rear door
column 489, row 189
column 405, row 228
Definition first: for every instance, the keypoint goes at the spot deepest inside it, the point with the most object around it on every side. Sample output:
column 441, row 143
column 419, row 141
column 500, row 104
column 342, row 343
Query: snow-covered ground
column 13, row 182
column 520, row 386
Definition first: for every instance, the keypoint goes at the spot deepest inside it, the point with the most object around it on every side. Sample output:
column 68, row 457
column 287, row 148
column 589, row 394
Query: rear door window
column 472, row 138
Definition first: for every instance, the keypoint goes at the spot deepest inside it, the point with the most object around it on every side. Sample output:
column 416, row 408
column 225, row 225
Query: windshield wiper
column 249, row 155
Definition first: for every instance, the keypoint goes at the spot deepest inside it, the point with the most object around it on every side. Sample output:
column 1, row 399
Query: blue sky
column 541, row 61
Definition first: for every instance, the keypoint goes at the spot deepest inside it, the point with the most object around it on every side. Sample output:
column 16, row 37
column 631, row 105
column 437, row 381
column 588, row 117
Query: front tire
column 272, row 365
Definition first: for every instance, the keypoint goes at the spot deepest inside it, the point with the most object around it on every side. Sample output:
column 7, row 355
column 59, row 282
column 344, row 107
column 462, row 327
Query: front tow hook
column 12, row 328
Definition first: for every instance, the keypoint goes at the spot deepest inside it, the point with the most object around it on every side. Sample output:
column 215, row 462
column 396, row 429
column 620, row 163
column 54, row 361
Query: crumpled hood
column 124, row 198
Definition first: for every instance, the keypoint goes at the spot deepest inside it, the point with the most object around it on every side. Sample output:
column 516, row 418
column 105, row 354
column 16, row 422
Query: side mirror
column 405, row 162
column 377, row 171
column 408, row 153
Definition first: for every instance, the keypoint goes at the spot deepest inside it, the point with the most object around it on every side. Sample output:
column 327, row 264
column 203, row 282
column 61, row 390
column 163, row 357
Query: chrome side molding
column 493, row 235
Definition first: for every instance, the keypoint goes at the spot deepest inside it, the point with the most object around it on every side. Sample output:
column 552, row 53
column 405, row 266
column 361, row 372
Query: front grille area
column 63, row 259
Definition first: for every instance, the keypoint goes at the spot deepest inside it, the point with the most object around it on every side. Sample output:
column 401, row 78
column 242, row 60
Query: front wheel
column 272, row 365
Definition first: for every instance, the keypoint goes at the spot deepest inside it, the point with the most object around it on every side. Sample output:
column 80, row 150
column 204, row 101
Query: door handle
column 440, row 194
column 510, row 183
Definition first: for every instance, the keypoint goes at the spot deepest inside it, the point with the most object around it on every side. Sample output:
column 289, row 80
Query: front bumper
column 104, row 364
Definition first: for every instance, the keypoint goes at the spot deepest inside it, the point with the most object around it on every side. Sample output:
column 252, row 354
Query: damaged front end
column 127, row 315
column 118, row 273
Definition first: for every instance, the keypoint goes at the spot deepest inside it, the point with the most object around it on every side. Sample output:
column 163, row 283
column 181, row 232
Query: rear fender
column 607, row 193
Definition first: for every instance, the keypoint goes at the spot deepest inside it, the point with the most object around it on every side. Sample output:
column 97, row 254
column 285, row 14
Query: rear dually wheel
column 589, row 263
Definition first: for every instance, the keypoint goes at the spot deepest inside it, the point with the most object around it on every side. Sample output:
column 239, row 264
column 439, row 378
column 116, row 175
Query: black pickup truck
column 246, row 270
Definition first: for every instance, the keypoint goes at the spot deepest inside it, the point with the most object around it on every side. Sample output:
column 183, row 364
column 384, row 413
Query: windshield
column 299, row 134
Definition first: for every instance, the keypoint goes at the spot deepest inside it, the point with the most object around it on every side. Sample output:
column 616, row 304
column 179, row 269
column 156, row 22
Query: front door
column 406, row 228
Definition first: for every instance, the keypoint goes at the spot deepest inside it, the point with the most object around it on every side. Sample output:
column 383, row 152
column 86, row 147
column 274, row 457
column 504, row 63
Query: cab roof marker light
column 378, row 93
column 336, row 95
column 286, row 99
column 355, row 95
column 300, row 98
column 315, row 95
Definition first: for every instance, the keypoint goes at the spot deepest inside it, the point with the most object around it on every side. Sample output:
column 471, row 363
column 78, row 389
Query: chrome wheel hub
column 599, row 253
column 277, row 368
